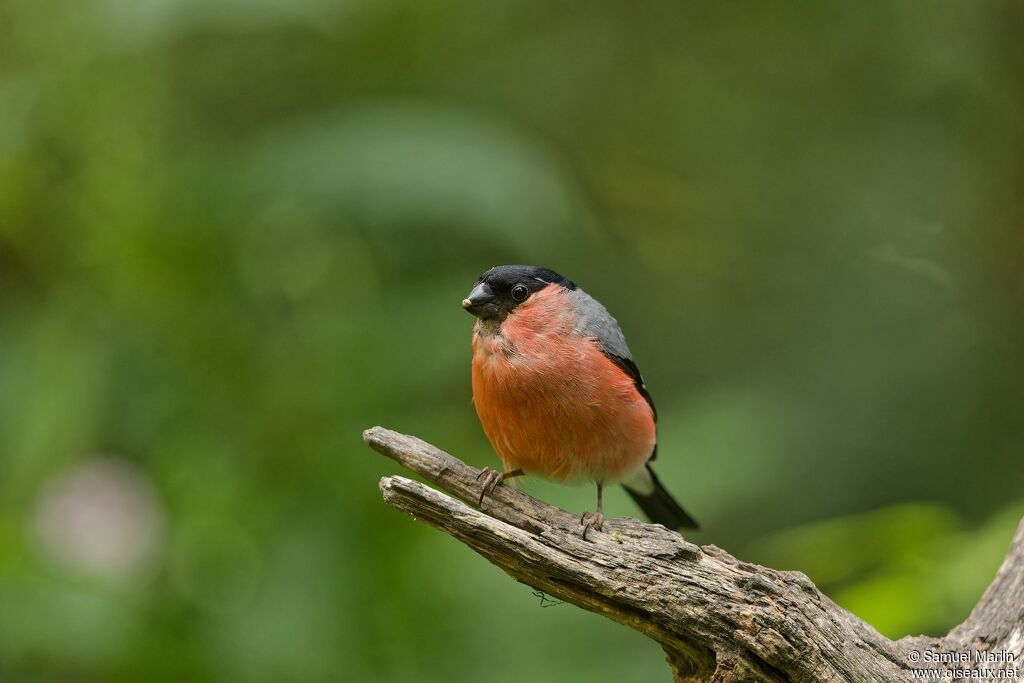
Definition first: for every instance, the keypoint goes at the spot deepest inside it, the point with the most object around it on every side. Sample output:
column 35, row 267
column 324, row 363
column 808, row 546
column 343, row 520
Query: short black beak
column 481, row 302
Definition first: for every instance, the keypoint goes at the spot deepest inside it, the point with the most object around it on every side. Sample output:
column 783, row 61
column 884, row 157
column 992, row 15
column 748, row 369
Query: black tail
column 661, row 507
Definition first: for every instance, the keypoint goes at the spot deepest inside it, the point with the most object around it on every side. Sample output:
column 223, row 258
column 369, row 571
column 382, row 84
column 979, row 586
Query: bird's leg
column 594, row 521
column 492, row 478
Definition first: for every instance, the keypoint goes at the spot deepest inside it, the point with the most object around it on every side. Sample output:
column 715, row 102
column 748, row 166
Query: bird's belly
column 568, row 414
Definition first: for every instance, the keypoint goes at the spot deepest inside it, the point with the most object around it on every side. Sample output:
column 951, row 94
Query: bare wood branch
column 717, row 618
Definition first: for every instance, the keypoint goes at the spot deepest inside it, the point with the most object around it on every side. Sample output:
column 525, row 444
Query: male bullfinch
column 558, row 393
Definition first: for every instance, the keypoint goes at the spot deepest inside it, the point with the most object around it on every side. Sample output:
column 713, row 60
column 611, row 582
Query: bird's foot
column 491, row 480
column 591, row 520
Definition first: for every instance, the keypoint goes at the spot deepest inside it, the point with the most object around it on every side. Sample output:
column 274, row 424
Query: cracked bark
column 716, row 617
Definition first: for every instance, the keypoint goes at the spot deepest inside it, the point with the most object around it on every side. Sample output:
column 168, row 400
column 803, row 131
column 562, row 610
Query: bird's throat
column 488, row 327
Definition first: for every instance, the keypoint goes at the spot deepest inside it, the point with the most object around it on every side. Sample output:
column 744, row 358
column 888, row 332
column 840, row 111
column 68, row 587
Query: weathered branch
column 716, row 617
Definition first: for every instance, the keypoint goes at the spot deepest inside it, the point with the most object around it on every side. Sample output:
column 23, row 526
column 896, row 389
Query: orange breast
column 552, row 403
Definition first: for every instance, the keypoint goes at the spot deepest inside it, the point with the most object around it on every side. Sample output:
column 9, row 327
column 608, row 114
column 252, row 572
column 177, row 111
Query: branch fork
column 717, row 618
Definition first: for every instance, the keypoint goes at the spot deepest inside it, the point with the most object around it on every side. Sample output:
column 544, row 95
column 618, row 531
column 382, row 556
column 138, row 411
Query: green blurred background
column 234, row 234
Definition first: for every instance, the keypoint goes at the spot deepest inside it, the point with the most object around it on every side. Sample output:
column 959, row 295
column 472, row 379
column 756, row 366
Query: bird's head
column 501, row 289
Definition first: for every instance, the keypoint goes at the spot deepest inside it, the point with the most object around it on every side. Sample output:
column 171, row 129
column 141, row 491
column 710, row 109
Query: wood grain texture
column 717, row 618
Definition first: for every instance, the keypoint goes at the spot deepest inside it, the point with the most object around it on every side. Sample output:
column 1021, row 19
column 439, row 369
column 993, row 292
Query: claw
column 591, row 520
column 491, row 480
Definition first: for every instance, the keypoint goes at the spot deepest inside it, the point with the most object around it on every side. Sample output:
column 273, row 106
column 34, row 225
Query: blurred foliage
column 233, row 234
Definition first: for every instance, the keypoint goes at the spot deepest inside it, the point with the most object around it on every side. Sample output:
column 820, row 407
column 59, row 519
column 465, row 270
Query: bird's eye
column 520, row 292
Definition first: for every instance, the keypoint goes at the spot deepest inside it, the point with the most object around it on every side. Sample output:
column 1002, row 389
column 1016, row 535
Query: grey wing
column 594, row 320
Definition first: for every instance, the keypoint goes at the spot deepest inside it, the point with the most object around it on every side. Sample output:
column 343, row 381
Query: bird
column 558, row 394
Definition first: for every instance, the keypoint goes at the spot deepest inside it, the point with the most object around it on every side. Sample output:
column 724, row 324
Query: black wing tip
column 661, row 508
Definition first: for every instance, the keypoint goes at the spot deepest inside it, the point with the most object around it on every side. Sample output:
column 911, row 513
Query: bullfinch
column 558, row 393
